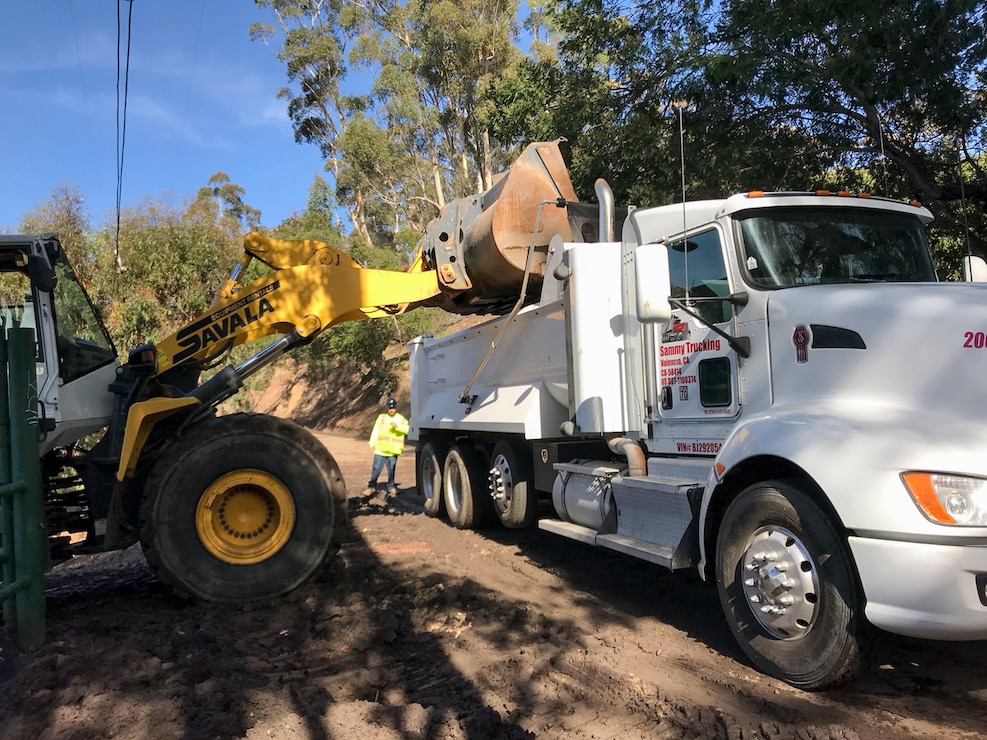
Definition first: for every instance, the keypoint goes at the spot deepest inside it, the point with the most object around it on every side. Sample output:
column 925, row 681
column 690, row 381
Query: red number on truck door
column 975, row 340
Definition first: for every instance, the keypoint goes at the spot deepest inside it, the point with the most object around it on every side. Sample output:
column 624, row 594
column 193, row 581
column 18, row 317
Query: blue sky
column 201, row 100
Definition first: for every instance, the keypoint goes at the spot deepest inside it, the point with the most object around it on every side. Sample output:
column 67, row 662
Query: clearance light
column 916, row 203
column 755, row 194
column 863, row 195
column 949, row 499
column 822, row 192
column 844, row 193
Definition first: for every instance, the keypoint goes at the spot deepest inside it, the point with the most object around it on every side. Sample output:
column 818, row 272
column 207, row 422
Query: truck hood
column 920, row 346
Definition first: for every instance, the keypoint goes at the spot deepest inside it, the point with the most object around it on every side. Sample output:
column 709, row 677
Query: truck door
column 697, row 370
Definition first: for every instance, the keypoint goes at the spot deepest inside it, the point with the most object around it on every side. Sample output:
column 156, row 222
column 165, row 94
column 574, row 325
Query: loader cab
column 75, row 357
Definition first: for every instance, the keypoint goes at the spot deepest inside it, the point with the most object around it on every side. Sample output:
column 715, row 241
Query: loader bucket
column 479, row 245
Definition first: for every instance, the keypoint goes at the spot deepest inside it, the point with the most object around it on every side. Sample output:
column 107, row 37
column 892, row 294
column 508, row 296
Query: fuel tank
column 479, row 245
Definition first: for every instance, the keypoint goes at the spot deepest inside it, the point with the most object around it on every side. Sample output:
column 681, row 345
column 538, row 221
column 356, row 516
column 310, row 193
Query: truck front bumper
column 929, row 590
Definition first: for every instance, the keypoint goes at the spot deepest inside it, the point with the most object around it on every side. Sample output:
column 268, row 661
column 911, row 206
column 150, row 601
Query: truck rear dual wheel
column 788, row 587
column 242, row 507
column 511, row 481
column 428, row 462
column 467, row 499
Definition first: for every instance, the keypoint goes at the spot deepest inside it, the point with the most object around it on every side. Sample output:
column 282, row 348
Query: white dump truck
column 773, row 389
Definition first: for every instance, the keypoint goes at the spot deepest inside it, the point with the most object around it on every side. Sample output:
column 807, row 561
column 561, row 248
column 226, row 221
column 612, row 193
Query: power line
column 122, row 120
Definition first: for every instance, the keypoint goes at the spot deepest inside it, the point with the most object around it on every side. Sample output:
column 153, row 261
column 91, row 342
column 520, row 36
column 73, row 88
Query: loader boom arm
column 311, row 288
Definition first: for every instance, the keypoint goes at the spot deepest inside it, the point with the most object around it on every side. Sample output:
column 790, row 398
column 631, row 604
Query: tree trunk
column 487, row 161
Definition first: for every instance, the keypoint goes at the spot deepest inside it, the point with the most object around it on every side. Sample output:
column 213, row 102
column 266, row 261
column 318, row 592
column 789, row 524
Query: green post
column 29, row 508
column 6, row 502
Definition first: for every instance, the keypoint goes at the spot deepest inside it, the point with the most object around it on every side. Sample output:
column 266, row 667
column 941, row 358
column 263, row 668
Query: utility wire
column 122, row 121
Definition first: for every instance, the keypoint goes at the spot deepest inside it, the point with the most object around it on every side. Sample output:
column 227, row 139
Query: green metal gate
column 22, row 539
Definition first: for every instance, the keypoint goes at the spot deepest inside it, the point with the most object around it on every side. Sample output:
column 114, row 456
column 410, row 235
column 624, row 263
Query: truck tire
column 242, row 507
column 788, row 587
column 429, row 459
column 464, row 488
column 512, row 485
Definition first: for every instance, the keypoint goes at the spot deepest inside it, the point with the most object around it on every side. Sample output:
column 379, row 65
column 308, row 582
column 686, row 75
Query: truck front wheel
column 788, row 587
column 464, row 487
column 514, row 497
column 429, row 460
column 242, row 507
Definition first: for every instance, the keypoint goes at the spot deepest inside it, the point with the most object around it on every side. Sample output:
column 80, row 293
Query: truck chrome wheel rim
column 781, row 583
column 429, row 471
column 245, row 517
column 454, row 488
column 501, row 484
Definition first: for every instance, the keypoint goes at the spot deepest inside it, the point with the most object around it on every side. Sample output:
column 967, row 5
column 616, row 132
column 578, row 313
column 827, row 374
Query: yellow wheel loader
column 243, row 506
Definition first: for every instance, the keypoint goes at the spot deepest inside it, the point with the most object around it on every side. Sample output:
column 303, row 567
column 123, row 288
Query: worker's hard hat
column 391, row 403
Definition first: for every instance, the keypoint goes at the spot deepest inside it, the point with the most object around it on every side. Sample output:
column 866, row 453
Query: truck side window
column 714, row 382
column 697, row 270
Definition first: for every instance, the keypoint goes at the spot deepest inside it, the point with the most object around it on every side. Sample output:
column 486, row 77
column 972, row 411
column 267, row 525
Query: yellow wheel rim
column 245, row 516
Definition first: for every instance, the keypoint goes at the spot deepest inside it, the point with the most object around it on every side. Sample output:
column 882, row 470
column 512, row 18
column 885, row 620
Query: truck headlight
column 949, row 499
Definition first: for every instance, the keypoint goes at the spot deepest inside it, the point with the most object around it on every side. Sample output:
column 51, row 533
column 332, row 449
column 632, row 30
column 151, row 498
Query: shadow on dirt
column 949, row 672
column 125, row 658
column 370, row 643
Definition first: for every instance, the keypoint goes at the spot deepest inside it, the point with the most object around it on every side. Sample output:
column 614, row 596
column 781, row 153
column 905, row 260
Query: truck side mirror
column 974, row 269
column 652, row 283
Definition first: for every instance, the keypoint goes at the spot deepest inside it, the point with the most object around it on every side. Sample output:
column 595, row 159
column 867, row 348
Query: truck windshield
column 784, row 247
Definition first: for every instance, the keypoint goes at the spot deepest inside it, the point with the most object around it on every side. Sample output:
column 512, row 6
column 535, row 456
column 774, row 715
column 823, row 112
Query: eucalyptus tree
column 896, row 89
column 228, row 199
column 313, row 49
column 399, row 147
column 64, row 213
column 463, row 44
column 787, row 94
column 868, row 81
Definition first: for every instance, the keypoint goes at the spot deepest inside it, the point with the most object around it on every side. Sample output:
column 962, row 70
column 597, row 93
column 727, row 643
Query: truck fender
column 805, row 443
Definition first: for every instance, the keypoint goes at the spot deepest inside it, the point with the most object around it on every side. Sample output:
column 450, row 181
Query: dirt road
column 418, row 630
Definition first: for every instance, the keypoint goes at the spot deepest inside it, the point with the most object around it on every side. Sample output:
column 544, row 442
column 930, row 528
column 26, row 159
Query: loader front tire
column 242, row 507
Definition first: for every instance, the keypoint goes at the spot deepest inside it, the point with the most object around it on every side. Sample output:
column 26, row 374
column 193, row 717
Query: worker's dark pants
column 380, row 462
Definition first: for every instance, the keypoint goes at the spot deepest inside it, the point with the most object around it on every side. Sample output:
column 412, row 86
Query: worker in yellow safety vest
column 387, row 442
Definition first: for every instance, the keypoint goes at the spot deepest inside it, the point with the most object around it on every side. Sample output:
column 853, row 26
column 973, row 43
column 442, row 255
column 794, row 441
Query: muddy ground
column 418, row 630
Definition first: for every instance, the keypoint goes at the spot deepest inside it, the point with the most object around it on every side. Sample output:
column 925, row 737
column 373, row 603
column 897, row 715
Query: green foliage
column 228, row 199
column 361, row 342
column 419, row 137
column 160, row 273
column 377, row 258
column 317, row 220
column 416, row 323
column 791, row 94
